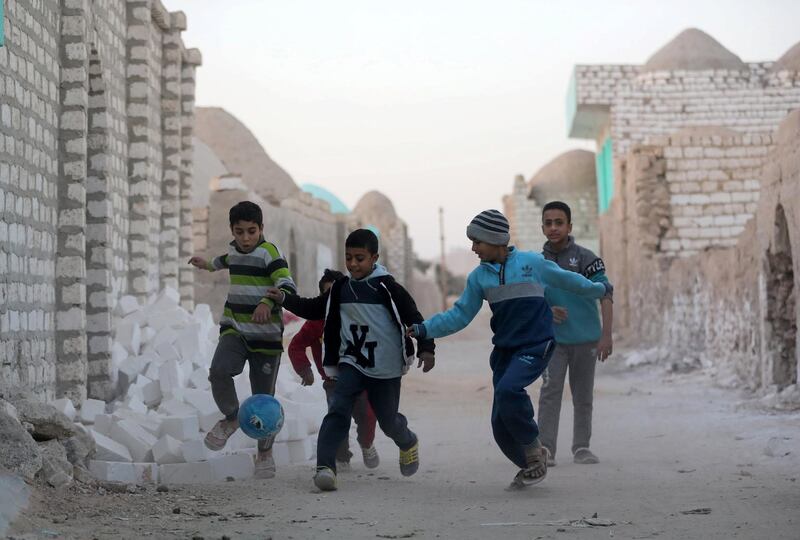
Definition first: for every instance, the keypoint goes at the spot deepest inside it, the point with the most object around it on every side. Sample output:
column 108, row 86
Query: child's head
column 361, row 252
column 489, row 234
column 556, row 221
column 247, row 225
column 327, row 279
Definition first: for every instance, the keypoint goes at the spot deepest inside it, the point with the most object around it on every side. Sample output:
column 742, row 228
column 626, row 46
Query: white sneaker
column 325, row 479
column 371, row 457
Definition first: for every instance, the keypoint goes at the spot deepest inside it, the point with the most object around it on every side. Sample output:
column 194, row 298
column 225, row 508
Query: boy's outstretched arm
column 554, row 276
column 312, row 309
column 457, row 317
column 410, row 315
column 217, row 263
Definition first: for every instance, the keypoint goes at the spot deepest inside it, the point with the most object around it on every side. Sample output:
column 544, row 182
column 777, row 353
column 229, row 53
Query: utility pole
column 442, row 262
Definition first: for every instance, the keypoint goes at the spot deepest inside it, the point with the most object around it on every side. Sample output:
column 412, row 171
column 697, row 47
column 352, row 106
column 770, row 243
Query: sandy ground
column 680, row 459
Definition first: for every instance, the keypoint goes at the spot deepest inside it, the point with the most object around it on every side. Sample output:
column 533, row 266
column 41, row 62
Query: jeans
column 384, row 397
column 365, row 422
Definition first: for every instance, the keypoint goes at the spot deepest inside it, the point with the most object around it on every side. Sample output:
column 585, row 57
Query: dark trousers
column 513, row 370
column 228, row 362
column 383, row 396
column 365, row 423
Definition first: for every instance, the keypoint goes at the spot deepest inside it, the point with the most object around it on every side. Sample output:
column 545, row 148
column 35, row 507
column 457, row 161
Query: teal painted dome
column 337, row 206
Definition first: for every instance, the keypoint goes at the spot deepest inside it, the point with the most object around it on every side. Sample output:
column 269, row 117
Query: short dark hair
column 363, row 238
column 329, row 276
column 558, row 205
column 246, row 211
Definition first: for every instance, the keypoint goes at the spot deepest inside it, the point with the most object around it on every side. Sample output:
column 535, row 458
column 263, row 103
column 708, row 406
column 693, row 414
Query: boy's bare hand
column 410, row 332
column 261, row 314
column 274, row 293
column 426, row 361
column 199, row 262
column 604, row 347
column 560, row 314
column 307, row 377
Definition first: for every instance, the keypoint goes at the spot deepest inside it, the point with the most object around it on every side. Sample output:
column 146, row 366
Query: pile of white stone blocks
column 153, row 431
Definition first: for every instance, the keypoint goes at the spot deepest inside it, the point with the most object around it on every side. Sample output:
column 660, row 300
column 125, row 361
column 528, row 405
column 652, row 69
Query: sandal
column 536, row 471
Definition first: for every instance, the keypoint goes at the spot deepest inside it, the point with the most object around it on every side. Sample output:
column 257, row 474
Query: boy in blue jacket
column 514, row 283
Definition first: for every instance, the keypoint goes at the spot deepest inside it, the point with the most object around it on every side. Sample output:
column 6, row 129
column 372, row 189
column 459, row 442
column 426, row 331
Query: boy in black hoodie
column 365, row 349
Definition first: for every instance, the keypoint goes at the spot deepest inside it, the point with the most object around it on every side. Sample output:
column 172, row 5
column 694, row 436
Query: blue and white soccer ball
column 261, row 416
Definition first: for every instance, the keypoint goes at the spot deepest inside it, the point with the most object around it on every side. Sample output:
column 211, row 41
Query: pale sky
column 436, row 102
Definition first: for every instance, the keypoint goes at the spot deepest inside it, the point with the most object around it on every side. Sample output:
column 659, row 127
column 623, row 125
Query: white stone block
column 126, row 375
column 167, row 450
column 173, row 407
column 201, row 400
column 240, row 441
column 148, row 334
column 199, row 379
column 182, row 428
column 239, row 466
column 152, row 370
column 194, row 450
column 149, row 423
column 209, row 419
column 303, row 394
column 65, row 406
column 127, row 305
column 188, row 341
column 135, row 404
column 169, row 375
column 151, row 393
column 126, row 473
column 280, row 453
column 200, row 472
column 107, row 449
column 167, row 352
column 129, row 335
column 139, row 441
column 91, row 408
column 118, row 354
column 168, row 297
column 102, row 424
column 186, row 370
column 300, row 451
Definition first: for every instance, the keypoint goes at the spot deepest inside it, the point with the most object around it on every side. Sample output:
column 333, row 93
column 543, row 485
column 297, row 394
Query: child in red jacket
column 310, row 335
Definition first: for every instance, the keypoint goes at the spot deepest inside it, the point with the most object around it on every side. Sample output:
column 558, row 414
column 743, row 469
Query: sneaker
column 371, row 457
column 216, row 438
column 409, row 460
column 584, row 456
column 551, row 459
column 265, row 465
column 325, row 479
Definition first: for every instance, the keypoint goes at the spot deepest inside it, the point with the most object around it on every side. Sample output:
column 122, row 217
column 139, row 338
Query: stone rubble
column 153, row 431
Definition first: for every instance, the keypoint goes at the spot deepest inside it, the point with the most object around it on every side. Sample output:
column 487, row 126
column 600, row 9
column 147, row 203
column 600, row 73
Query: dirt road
column 679, row 459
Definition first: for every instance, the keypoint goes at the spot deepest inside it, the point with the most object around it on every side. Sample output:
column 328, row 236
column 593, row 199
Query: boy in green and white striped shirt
column 251, row 326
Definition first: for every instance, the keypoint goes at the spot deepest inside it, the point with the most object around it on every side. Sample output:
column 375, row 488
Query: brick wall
column 89, row 104
column 733, row 308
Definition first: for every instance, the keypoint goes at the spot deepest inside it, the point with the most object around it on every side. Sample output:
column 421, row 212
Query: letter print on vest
column 355, row 347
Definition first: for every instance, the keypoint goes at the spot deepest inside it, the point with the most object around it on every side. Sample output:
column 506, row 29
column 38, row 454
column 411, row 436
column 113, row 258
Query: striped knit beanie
column 489, row 226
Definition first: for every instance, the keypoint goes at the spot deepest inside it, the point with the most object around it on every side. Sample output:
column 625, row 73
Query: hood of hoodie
column 377, row 271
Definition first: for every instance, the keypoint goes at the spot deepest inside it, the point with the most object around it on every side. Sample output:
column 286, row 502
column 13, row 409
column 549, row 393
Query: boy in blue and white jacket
column 514, row 283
